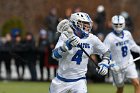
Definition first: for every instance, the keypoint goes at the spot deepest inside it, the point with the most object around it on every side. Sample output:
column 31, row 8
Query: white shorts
column 130, row 72
column 58, row 86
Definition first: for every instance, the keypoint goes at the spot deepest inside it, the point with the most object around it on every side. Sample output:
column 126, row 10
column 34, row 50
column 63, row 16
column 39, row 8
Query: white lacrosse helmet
column 118, row 23
column 81, row 23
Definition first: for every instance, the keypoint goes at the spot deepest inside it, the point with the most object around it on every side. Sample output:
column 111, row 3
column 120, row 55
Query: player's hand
column 114, row 67
column 74, row 40
column 103, row 70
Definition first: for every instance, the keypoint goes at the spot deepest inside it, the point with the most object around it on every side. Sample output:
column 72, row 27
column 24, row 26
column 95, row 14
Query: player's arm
column 63, row 46
column 134, row 47
column 112, row 65
column 102, row 50
column 58, row 51
column 107, row 45
column 104, row 64
column 66, row 41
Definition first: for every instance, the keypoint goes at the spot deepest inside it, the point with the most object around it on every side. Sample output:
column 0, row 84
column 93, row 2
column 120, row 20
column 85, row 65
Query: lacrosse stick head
column 64, row 25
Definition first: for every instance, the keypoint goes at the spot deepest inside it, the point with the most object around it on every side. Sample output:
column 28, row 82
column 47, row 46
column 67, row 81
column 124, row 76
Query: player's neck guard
column 121, row 34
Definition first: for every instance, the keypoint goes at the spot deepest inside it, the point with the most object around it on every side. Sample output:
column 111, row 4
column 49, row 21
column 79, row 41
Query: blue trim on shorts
column 69, row 80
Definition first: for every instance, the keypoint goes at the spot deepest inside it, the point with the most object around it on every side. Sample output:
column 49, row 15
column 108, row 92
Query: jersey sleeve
column 100, row 47
column 58, row 52
column 107, row 42
column 61, row 40
column 133, row 46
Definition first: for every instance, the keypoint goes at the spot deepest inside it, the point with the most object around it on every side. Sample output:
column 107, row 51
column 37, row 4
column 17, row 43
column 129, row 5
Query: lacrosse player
column 120, row 42
column 73, row 61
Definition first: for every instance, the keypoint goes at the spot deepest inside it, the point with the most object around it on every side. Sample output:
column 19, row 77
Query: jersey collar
column 121, row 34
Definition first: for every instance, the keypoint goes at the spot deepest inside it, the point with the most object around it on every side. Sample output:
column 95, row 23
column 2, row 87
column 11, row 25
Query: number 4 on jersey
column 77, row 57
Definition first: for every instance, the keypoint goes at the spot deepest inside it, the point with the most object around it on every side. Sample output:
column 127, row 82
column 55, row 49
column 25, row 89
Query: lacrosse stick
column 64, row 26
column 129, row 63
column 136, row 59
column 117, row 68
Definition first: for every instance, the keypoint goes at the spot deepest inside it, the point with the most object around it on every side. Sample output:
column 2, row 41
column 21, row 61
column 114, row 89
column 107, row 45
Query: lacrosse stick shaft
column 89, row 56
column 138, row 58
column 130, row 63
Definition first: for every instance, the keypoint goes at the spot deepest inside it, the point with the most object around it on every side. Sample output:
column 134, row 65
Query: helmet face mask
column 84, row 26
column 81, row 23
column 118, row 23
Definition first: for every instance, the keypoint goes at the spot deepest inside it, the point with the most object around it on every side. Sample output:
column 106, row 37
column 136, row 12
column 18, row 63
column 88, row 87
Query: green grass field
column 42, row 87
